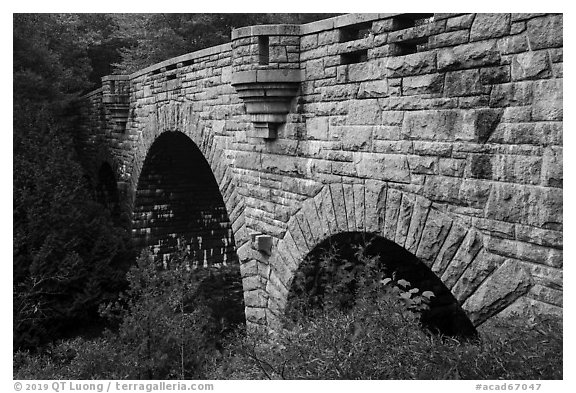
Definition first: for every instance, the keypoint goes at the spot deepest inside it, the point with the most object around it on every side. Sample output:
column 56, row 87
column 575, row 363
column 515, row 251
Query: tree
column 67, row 255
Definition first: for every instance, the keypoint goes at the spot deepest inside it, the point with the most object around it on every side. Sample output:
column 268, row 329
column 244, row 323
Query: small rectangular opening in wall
column 263, row 50
column 187, row 62
column 170, row 77
column 358, row 56
column 155, row 72
column 355, row 32
column 410, row 46
column 406, row 21
column 171, row 67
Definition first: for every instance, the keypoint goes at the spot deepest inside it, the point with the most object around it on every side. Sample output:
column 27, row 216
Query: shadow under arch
column 445, row 314
column 177, row 199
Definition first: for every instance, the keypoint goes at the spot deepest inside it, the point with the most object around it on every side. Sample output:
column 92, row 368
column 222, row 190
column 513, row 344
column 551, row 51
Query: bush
column 164, row 330
column 382, row 338
column 161, row 334
column 346, row 320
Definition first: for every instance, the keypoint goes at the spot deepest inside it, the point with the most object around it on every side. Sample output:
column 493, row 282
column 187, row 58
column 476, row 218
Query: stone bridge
column 441, row 133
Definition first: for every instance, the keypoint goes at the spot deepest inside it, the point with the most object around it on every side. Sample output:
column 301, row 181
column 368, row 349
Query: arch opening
column 178, row 197
column 337, row 258
column 178, row 206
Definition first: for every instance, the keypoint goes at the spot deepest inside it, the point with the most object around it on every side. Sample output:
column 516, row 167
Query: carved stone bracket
column 267, row 95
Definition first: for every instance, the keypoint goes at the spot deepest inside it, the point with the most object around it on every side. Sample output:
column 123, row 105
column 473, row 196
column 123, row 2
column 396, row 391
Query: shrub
column 381, row 338
column 164, row 329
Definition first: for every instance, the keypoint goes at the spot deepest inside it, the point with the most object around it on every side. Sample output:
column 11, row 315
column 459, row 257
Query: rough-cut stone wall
column 440, row 132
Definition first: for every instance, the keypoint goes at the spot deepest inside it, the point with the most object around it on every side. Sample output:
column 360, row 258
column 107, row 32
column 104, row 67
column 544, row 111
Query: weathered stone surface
column 431, row 125
column 317, row 128
column 474, row 193
column 417, row 223
column 459, row 22
column 529, row 252
column 545, row 32
column 449, row 248
column 423, row 84
column 489, row 26
column 530, row 205
column 548, row 100
column 482, row 266
column 350, row 212
column 512, row 94
column 449, row 39
column 414, row 64
column 528, row 309
column 390, row 167
column 256, row 298
column 373, row 89
column 466, row 253
column 468, row 56
column 423, row 165
column 513, row 44
column 315, row 69
column 494, row 75
column 506, row 284
column 359, row 206
column 544, row 133
column 463, row 83
column 433, row 235
column 451, row 167
column 530, row 65
column 372, row 190
column 404, row 217
column 365, row 71
column 552, row 168
column 364, row 112
column 253, row 282
column 339, row 207
column 393, row 200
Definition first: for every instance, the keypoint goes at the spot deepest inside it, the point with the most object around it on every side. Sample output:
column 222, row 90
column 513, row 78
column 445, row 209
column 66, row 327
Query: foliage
column 348, row 321
column 153, row 38
column 384, row 340
column 67, row 255
column 380, row 337
column 165, row 329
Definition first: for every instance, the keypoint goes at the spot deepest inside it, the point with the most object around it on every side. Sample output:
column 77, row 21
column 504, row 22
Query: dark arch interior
column 178, row 197
column 445, row 315
column 177, row 200
column 107, row 190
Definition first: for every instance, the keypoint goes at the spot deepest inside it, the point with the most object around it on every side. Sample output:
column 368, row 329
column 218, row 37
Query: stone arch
column 483, row 283
column 177, row 196
column 178, row 117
